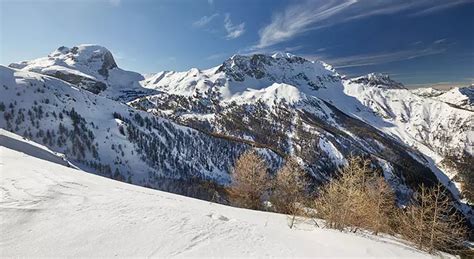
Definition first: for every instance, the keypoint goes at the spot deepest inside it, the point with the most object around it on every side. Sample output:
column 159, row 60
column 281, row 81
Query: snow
column 332, row 151
column 271, row 95
column 432, row 126
column 48, row 210
column 460, row 97
column 428, row 92
column 15, row 142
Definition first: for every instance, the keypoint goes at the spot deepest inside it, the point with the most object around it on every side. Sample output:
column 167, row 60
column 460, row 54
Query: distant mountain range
column 173, row 129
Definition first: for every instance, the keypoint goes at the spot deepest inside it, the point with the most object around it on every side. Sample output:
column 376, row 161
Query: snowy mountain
column 109, row 138
column 459, row 97
column 190, row 126
column 50, row 210
column 424, row 123
column 90, row 67
column 376, row 99
column 462, row 97
column 277, row 93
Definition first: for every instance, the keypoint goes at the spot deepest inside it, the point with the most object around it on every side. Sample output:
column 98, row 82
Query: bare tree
column 289, row 189
column 379, row 208
column 358, row 198
column 432, row 222
column 250, row 180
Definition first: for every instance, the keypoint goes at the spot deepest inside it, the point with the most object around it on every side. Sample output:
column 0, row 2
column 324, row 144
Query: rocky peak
column 260, row 65
column 378, row 80
column 95, row 56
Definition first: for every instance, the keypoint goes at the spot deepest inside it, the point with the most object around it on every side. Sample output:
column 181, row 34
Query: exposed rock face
column 83, row 82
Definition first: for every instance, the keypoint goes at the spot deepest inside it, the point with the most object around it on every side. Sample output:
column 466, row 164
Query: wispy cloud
column 440, row 41
column 297, row 19
column 203, row 21
column 310, row 15
column 384, row 57
column 441, row 6
column 293, row 48
column 233, row 31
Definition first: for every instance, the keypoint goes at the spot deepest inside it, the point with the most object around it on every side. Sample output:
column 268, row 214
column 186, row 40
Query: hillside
column 317, row 114
column 51, row 210
column 109, row 138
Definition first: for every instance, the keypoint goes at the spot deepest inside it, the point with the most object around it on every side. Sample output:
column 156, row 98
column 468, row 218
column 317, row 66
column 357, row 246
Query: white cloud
column 310, row 15
column 203, row 21
column 440, row 41
column 233, row 31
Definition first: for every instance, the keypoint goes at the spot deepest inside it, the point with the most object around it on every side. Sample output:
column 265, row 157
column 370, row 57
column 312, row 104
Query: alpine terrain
column 183, row 132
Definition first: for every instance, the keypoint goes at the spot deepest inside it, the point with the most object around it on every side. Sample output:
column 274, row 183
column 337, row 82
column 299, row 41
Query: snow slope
column 15, row 142
column 432, row 126
column 48, row 210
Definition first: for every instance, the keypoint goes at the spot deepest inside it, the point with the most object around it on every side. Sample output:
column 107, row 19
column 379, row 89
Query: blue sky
column 417, row 42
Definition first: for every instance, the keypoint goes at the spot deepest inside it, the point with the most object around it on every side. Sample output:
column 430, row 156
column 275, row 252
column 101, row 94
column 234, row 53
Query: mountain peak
column 277, row 56
column 87, row 53
column 378, row 80
column 258, row 66
column 89, row 66
column 282, row 55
